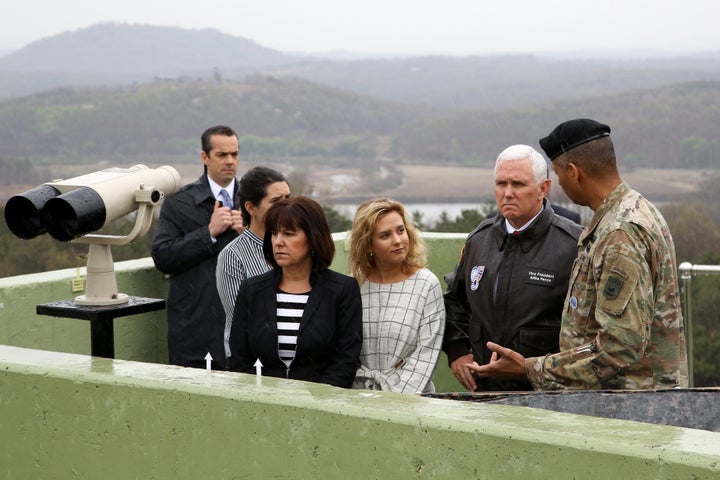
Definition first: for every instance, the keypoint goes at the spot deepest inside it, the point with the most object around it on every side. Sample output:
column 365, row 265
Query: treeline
column 694, row 222
column 18, row 172
column 279, row 147
column 44, row 253
column 667, row 127
column 166, row 117
column 670, row 127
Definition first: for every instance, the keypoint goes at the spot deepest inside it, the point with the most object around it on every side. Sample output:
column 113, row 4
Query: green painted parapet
column 75, row 416
column 69, row 415
column 138, row 337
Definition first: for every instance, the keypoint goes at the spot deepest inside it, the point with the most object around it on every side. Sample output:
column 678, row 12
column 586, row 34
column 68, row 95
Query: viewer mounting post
column 70, row 210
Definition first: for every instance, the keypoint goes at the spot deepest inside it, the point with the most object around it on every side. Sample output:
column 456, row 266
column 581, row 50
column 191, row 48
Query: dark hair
column 300, row 213
column 596, row 158
column 253, row 188
column 216, row 130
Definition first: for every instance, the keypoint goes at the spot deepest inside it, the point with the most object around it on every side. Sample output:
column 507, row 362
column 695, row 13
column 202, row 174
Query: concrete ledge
column 70, row 273
column 141, row 337
column 69, row 415
column 682, row 407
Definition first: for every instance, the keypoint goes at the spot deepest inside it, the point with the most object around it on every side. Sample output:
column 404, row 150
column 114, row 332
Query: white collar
column 215, row 188
column 510, row 229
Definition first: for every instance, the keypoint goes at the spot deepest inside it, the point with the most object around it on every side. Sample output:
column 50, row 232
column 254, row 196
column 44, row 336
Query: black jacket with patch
column 510, row 290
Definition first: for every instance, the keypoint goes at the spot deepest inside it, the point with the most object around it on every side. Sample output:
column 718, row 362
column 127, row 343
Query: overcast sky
column 454, row 27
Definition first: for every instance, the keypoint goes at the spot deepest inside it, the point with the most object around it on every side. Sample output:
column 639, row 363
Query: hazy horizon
column 401, row 27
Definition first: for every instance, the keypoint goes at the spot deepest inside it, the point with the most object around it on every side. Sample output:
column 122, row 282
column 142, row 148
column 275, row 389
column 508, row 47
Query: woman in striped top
column 301, row 319
column 403, row 308
column 260, row 188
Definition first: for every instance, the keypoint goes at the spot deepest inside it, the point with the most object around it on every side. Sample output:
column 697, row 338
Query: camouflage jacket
column 622, row 325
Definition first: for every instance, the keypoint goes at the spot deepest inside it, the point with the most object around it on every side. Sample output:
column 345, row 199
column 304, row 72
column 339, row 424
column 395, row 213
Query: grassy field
column 422, row 183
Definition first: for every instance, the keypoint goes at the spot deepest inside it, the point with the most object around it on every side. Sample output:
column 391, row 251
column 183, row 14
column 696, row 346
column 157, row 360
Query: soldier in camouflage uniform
column 621, row 326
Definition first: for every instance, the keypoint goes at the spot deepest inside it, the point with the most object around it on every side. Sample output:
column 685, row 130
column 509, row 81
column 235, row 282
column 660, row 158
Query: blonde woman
column 403, row 311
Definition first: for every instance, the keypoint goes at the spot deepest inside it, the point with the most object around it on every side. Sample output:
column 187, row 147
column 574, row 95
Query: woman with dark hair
column 260, row 188
column 301, row 319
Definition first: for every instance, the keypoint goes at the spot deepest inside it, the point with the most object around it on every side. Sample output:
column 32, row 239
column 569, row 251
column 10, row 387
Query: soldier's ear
column 574, row 171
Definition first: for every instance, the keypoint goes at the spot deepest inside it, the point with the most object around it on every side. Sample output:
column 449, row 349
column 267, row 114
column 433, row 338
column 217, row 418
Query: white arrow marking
column 208, row 360
column 258, row 369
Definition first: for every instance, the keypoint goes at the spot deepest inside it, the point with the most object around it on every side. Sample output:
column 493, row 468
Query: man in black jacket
column 510, row 284
column 195, row 224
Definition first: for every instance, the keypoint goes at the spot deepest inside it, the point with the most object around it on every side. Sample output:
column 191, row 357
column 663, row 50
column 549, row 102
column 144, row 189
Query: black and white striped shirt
column 290, row 308
column 239, row 260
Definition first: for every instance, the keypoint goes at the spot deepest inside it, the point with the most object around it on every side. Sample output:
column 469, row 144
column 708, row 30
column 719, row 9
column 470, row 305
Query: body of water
column 430, row 211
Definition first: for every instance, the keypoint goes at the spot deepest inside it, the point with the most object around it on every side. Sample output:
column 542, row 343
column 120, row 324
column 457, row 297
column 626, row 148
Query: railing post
column 685, row 269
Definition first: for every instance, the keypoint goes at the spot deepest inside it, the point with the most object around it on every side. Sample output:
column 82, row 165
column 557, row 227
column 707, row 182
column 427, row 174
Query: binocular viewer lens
column 72, row 208
column 74, row 214
column 24, row 213
column 64, row 217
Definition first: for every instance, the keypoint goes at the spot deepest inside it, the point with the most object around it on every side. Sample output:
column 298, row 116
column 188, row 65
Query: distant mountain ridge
column 123, row 54
column 112, row 48
column 499, row 82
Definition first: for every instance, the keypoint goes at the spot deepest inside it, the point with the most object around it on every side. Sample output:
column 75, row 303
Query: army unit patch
column 613, row 286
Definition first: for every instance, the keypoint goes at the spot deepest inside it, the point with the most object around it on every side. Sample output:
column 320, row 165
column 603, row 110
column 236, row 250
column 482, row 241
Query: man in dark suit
column 195, row 225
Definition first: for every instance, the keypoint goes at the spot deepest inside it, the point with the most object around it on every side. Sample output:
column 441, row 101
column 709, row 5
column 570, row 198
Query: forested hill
column 121, row 49
column 112, row 54
column 167, row 117
column 501, row 82
column 677, row 126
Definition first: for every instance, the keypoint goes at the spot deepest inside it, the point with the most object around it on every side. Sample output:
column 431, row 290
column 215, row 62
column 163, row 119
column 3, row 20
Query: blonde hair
column 361, row 262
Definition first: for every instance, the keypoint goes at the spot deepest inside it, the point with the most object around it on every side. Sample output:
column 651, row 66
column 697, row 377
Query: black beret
column 571, row 134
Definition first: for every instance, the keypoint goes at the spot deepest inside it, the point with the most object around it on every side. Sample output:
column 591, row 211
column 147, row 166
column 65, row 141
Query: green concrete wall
column 74, row 416
column 137, row 337
column 144, row 337
column 64, row 414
